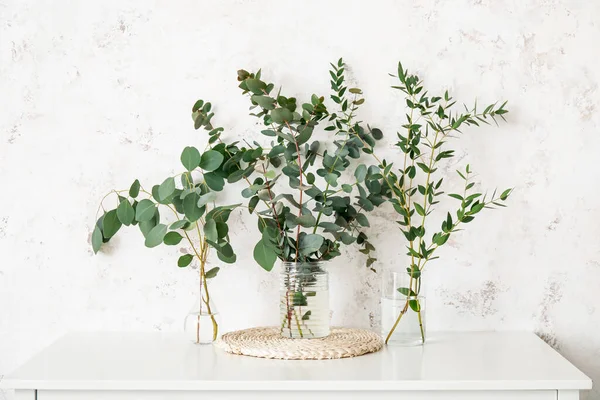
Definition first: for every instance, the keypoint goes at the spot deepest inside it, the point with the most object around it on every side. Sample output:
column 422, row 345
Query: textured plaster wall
column 96, row 94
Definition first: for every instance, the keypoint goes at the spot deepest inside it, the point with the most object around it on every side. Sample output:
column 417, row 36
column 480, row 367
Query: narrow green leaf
column 406, row 291
column 96, row 239
column 134, row 190
column 110, row 224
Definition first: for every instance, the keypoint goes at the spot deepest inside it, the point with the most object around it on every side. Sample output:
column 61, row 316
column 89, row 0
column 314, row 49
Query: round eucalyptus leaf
column 361, row 172
column 347, row 188
column 190, row 207
column 156, row 235
column 377, row 134
column 281, row 115
column 125, row 212
column 266, row 102
column 190, row 158
column 214, row 181
column 145, row 210
column 264, row 256
column 256, row 86
column 172, row 238
column 211, row 160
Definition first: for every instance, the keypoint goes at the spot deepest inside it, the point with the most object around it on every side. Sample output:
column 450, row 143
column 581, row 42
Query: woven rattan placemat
column 266, row 342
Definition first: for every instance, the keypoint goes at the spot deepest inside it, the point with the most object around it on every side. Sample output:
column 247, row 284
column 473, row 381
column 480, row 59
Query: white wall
column 96, row 94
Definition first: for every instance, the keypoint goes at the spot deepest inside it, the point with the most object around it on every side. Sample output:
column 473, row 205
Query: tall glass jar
column 304, row 308
column 201, row 324
column 402, row 309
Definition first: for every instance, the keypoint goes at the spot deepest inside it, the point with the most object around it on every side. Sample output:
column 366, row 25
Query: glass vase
column 304, row 308
column 402, row 309
column 201, row 324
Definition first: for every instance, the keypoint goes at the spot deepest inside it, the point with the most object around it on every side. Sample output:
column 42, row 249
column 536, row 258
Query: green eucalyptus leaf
column 206, row 198
column 264, row 256
column 211, row 160
column 145, row 210
column 210, row 230
column 256, row 86
column 281, row 115
column 190, row 158
column 156, row 235
column 310, row 243
column 361, row 172
column 362, row 219
column 266, row 102
column 166, row 188
column 214, row 181
column 406, row 291
column 110, row 224
column 222, row 230
column 252, row 204
column 172, row 238
column 415, row 305
column 125, row 212
column 211, row 273
column 96, row 239
column 307, row 221
column 181, row 224
column 377, row 134
column 134, row 190
column 190, row 207
column 185, row 260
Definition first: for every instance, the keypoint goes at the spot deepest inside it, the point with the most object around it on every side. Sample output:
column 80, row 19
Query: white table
column 152, row 366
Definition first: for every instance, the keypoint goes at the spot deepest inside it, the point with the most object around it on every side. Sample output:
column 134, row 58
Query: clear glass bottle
column 201, row 324
column 304, row 308
column 402, row 310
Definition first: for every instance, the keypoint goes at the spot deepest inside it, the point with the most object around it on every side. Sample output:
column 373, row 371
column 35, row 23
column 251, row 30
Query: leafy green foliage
column 192, row 201
column 327, row 211
column 414, row 190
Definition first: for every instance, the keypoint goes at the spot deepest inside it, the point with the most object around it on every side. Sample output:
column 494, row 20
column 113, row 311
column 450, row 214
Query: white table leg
column 25, row 395
column 568, row 395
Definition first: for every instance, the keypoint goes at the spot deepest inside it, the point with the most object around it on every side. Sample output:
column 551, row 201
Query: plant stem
column 389, row 335
column 420, row 320
column 301, row 190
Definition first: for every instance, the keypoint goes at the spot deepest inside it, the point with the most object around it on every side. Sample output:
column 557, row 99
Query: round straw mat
column 266, row 342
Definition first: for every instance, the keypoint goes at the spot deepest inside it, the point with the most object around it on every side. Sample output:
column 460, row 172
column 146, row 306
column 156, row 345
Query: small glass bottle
column 402, row 310
column 201, row 324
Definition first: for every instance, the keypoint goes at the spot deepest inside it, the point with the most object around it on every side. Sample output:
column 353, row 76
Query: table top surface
column 162, row 361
